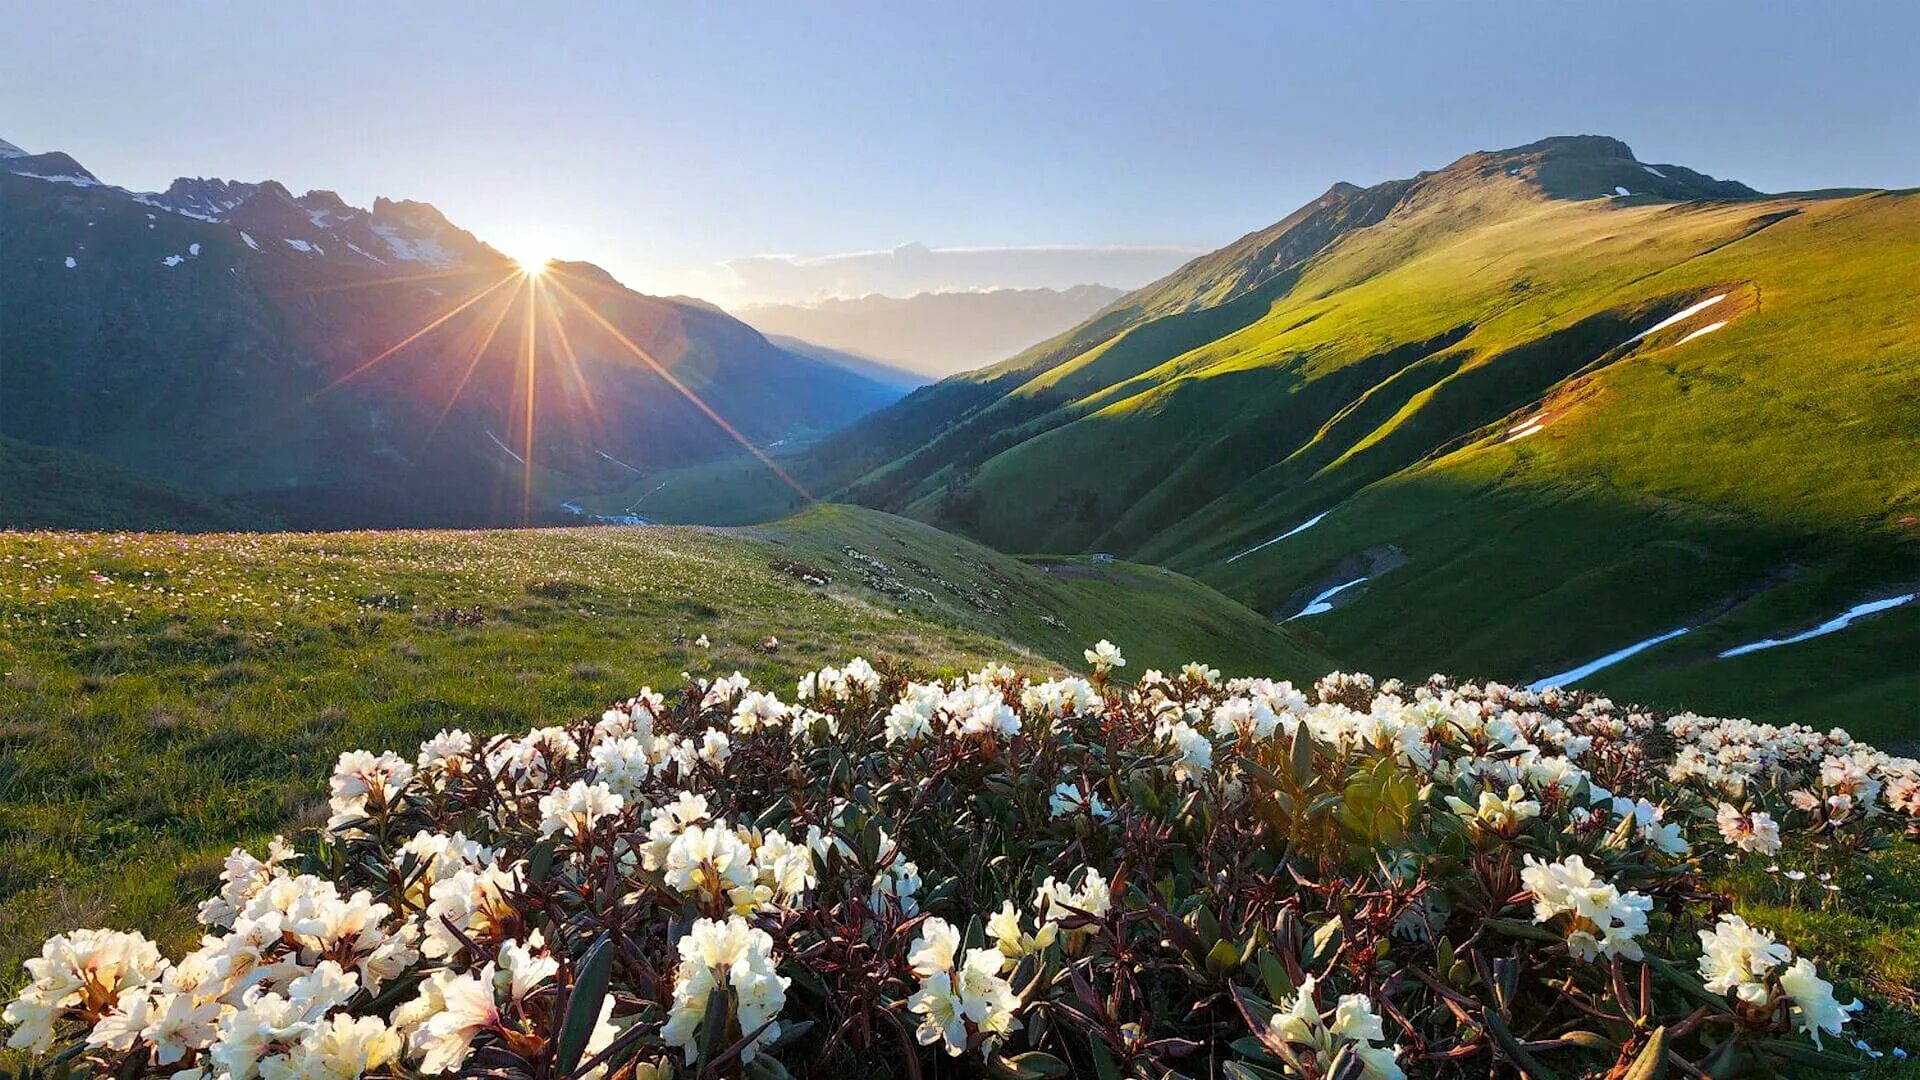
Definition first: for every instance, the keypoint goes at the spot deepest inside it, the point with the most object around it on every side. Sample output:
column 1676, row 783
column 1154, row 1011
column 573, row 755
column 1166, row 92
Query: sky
column 749, row 151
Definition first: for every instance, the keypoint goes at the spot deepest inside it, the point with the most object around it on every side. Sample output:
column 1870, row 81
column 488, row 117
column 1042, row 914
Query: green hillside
column 44, row 487
column 1053, row 607
column 1746, row 471
column 165, row 696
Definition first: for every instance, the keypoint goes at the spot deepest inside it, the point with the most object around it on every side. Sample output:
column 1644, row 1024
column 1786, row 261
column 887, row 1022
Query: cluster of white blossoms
column 1751, row 964
column 957, row 711
column 262, row 999
column 739, row 957
column 724, row 835
column 831, row 684
column 1055, row 900
column 1604, row 921
column 1300, row 1028
column 1824, row 772
column 960, row 996
column 743, row 869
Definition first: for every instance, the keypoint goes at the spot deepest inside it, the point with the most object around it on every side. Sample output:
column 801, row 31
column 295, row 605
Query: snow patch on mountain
column 1707, row 329
column 1568, row 678
column 1300, row 528
column 1677, row 316
column 63, row 178
column 1322, row 604
column 416, row 249
column 504, row 446
column 1834, row 625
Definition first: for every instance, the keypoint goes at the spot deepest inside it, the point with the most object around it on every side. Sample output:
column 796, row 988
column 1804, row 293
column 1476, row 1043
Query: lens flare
column 538, row 289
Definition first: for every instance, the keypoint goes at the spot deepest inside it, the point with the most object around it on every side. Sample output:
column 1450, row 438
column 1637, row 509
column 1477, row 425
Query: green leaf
column 767, row 1067
column 1274, row 975
column 1802, row 1054
column 539, row 861
column 1040, row 1063
column 1103, row 1066
column 1651, row 1064
column 1223, row 958
column 1302, row 756
column 583, row 1005
column 1528, row 1065
column 1515, row 928
column 1325, row 940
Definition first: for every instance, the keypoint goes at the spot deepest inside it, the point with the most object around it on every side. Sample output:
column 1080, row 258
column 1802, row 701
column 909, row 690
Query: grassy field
column 735, row 490
column 163, row 697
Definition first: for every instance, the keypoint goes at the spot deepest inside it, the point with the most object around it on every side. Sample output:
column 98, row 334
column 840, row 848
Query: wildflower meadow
column 1180, row 875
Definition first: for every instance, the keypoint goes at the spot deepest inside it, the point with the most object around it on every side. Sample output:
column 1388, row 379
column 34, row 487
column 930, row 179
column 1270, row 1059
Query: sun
column 531, row 265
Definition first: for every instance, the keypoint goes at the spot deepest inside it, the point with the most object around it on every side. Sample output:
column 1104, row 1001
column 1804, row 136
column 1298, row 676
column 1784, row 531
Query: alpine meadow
column 817, row 554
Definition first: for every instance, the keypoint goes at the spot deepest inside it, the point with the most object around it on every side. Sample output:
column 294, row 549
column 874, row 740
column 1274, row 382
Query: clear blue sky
column 662, row 140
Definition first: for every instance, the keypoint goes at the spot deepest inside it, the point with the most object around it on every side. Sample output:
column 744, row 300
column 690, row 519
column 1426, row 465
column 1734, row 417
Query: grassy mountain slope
column 1053, row 607
column 165, row 696
column 48, row 488
column 1753, row 479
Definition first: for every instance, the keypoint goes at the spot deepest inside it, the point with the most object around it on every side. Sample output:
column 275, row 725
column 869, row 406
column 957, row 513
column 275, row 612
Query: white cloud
column 915, row 268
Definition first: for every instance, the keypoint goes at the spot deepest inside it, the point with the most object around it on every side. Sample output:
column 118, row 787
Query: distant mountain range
column 320, row 364
column 1543, row 409
column 934, row 334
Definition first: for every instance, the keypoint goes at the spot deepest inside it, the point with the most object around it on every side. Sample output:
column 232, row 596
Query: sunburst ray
column 659, row 369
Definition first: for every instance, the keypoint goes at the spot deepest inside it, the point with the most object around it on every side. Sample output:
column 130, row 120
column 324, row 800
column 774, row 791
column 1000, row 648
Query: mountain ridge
column 337, row 365
column 934, row 334
column 1389, row 404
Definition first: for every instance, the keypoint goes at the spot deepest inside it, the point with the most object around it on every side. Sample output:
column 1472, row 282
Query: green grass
column 1054, row 607
column 163, row 697
column 736, row 490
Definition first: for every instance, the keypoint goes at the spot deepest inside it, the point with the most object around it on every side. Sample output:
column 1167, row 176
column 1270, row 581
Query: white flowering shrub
column 1181, row 876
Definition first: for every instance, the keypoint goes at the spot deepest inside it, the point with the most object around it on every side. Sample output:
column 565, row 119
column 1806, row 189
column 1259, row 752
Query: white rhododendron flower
column 1068, row 800
column 1194, row 750
column 1754, row 832
column 1105, row 656
column 958, row 995
column 1500, row 814
column 1753, row 966
column 577, row 809
column 1604, row 921
column 731, row 954
column 1300, row 1024
column 1738, row 958
column 1056, row 899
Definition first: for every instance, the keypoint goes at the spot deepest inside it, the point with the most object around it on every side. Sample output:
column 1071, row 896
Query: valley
column 1581, row 399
